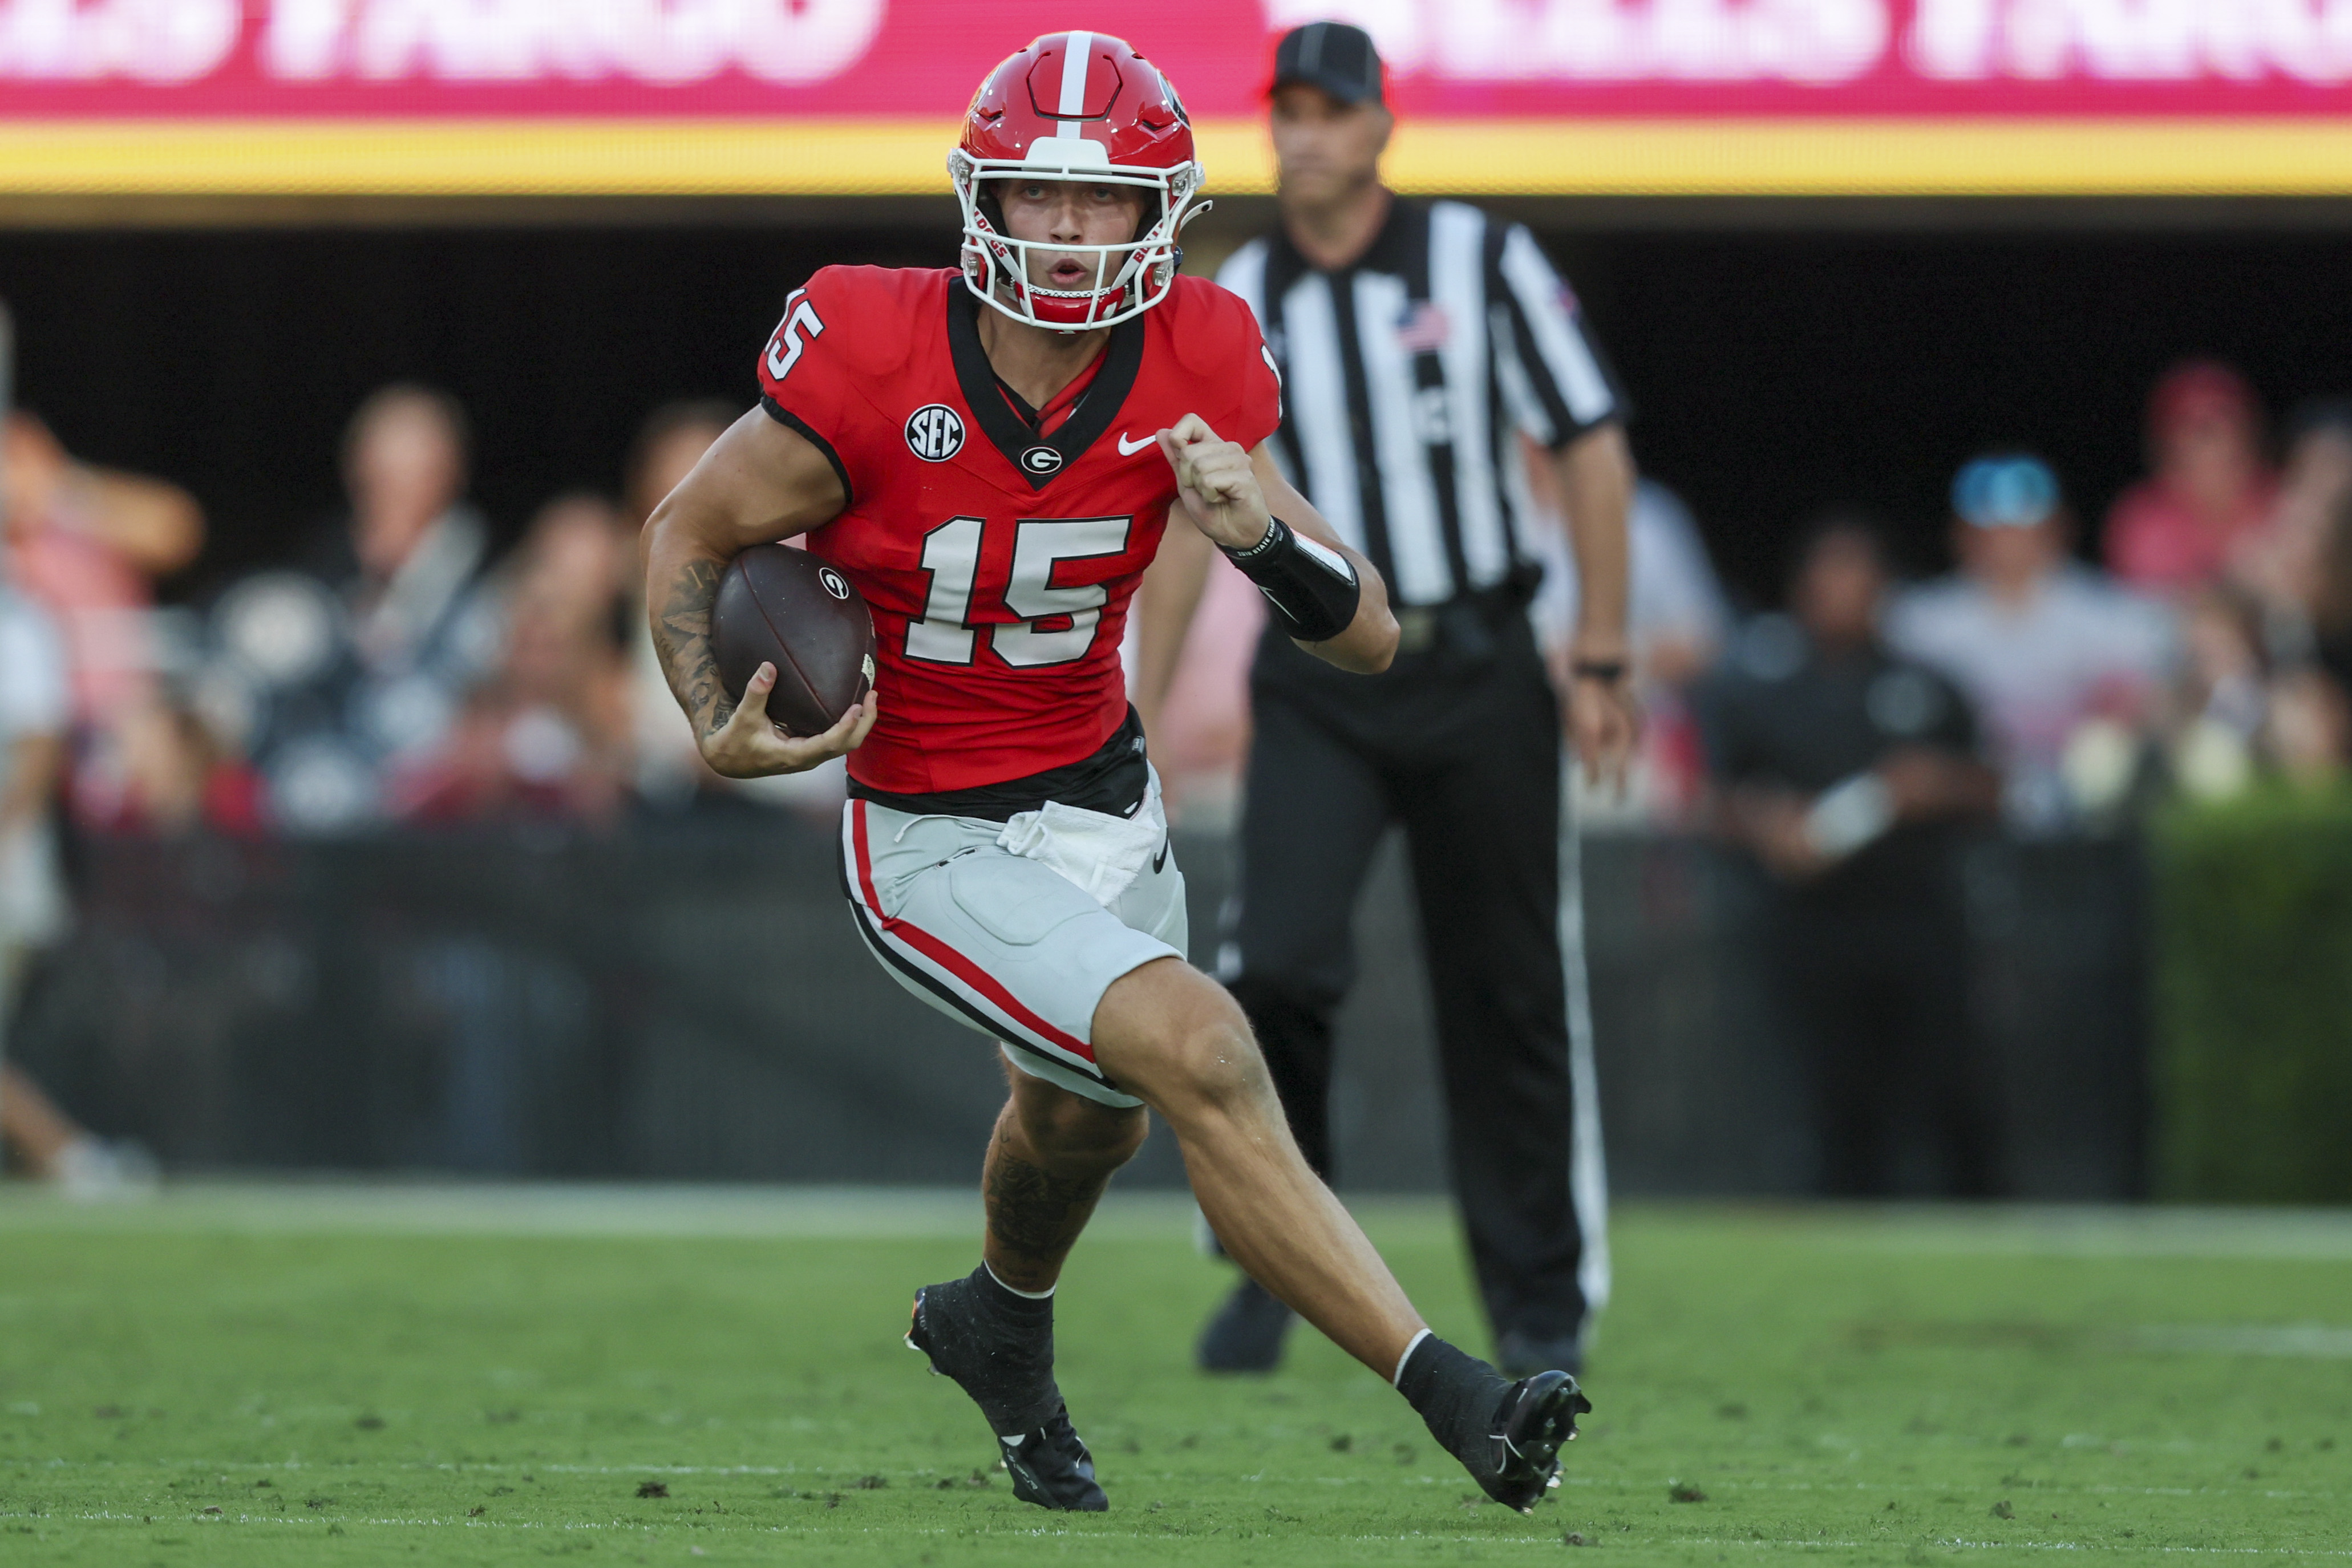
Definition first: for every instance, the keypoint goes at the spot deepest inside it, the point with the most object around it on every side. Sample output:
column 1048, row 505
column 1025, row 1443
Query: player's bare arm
column 760, row 482
column 1240, row 501
column 1596, row 483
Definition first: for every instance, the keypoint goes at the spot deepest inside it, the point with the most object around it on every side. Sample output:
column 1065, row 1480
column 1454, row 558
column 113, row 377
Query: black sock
column 1455, row 1394
column 1003, row 1298
column 999, row 1345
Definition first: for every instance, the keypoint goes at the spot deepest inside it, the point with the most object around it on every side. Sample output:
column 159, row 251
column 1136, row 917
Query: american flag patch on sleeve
column 1424, row 328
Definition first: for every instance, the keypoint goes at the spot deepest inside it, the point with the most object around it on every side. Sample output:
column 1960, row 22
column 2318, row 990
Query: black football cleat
column 1246, row 1333
column 1004, row 1359
column 1537, row 1415
column 1522, row 1355
column 1051, row 1468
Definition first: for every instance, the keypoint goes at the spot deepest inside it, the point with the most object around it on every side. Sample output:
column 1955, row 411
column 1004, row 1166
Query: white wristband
column 1849, row 815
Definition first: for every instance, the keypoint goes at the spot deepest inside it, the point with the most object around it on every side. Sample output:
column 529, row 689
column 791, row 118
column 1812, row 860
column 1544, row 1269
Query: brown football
column 786, row 607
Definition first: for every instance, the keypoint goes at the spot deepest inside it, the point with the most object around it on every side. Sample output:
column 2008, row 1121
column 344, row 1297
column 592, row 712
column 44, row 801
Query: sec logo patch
column 934, row 432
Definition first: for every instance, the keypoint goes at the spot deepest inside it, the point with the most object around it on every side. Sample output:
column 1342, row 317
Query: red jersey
column 998, row 560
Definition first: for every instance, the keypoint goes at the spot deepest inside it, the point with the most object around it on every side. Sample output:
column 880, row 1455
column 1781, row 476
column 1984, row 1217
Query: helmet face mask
column 1113, row 120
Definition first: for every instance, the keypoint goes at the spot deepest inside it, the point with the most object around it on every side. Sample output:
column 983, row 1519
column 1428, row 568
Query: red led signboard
column 667, row 97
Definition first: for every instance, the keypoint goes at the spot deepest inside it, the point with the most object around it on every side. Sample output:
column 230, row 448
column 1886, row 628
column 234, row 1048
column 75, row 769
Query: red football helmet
column 1083, row 107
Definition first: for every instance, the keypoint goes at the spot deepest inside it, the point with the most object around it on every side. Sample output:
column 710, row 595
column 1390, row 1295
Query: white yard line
column 1644, row 1485
column 714, row 1211
column 2305, row 1235
column 2310, row 1342
column 1546, row 1540
column 641, row 1209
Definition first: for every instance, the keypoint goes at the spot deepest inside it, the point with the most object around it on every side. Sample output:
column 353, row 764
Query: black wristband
column 1608, row 671
column 1310, row 586
column 1277, row 533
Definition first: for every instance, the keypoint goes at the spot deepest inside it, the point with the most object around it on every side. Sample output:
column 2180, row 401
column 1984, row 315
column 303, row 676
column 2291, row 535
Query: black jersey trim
column 1565, row 431
column 1097, row 408
column 1560, row 448
column 1112, row 779
column 792, row 421
column 1021, row 405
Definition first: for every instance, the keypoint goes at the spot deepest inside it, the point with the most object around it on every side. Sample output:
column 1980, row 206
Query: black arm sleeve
column 1312, row 587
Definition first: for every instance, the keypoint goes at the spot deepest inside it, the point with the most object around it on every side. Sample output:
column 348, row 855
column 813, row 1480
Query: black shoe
column 1507, row 1435
column 1245, row 1334
column 1004, row 1359
column 1522, row 1459
column 1522, row 1355
column 1051, row 1468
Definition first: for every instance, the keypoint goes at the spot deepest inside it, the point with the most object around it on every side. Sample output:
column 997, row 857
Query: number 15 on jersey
column 946, row 634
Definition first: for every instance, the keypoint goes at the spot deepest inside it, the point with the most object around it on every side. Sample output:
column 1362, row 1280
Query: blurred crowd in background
column 405, row 671
column 399, row 671
column 2208, row 646
column 1850, row 736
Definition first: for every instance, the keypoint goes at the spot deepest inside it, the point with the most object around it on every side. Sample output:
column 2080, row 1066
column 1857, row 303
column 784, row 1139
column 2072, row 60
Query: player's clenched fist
column 749, row 746
column 1218, row 486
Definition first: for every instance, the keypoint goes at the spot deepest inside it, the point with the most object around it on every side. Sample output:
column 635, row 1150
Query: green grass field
column 336, row 1375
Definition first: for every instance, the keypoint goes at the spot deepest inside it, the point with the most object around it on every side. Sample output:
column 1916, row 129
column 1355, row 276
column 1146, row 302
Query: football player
column 992, row 455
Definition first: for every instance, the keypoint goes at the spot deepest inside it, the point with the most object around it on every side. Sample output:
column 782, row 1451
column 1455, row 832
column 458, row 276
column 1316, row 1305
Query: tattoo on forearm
column 682, row 637
column 1034, row 1214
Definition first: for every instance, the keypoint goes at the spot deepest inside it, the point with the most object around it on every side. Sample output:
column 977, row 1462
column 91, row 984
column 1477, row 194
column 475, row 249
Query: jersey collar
column 1039, row 458
column 1389, row 251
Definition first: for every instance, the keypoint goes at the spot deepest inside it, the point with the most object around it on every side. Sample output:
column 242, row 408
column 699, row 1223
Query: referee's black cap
column 1337, row 56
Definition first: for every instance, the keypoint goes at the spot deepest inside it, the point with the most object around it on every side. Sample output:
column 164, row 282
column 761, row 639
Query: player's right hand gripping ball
column 786, row 607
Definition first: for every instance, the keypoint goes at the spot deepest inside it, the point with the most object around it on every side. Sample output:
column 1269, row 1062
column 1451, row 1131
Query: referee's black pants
column 1466, row 754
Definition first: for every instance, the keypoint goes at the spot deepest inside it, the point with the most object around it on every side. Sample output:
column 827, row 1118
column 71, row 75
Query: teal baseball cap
column 2005, row 490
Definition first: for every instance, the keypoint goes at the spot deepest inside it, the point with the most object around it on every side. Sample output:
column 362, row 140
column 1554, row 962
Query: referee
column 1416, row 342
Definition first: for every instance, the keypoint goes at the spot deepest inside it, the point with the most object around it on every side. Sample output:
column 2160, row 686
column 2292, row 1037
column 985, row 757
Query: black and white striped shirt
column 1406, row 378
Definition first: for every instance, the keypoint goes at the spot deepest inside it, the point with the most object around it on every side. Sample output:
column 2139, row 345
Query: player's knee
column 1182, row 1043
column 1212, row 1063
column 1069, row 1127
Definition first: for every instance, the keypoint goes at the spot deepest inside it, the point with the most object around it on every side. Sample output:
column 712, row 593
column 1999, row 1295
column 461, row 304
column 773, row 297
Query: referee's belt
column 1465, row 625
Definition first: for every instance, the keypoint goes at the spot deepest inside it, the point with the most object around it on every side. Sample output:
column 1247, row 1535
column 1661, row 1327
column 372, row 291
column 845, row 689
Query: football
column 786, row 607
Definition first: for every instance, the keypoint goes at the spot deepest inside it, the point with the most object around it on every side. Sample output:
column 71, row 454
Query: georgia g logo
column 834, row 582
column 1041, row 460
column 934, row 433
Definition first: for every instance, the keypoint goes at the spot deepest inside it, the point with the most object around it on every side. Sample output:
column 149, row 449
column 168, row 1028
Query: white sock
column 1045, row 1295
column 1396, row 1378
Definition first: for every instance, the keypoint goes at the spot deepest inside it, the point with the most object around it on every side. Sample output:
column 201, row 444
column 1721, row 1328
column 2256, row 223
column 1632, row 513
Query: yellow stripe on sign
column 475, row 158
column 898, row 157
column 1878, row 157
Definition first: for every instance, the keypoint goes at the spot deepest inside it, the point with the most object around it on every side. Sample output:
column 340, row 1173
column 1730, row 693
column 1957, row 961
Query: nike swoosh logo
column 1127, row 451
column 1160, row 861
